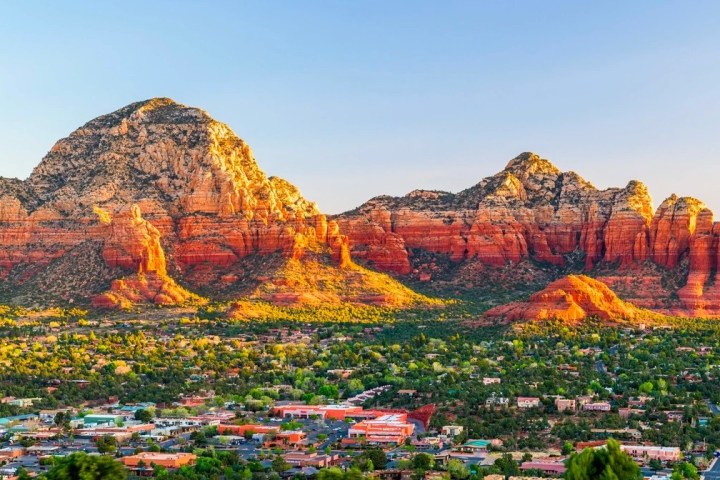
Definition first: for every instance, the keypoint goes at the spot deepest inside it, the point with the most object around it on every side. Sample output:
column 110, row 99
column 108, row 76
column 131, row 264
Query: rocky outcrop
column 169, row 193
column 531, row 211
column 571, row 299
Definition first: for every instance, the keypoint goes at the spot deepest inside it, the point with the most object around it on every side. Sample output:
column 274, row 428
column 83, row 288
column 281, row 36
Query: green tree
column 279, row 464
column 81, row 466
column 567, row 448
column 507, row 466
column 457, row 469
column 609, row 463
column 685, row 470
column 144, row 415
column 423, row 461
column 378, row 457
column 106, row 444
column 333, row 473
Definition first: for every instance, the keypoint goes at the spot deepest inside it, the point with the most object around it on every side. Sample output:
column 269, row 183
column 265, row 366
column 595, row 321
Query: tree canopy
column 609, row 463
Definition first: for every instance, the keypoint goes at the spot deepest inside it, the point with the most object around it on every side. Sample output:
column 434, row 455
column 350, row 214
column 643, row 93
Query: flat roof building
column 167, row 460
column 391, row 428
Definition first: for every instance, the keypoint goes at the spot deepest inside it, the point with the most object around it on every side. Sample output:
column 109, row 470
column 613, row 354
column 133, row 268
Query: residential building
column 644, row 452
column 628, row 412
column 528, row 402
column 565, row 404
column 452, row 430
column 548, row 466
column 494, row 401
column 597, row 407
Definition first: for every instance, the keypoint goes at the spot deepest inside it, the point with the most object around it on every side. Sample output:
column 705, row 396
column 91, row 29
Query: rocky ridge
column 172, row 197
column 533, row 212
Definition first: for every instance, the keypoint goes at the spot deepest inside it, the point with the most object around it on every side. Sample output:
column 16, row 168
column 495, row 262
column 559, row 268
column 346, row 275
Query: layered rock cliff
column 163, row 194
column 533, row 214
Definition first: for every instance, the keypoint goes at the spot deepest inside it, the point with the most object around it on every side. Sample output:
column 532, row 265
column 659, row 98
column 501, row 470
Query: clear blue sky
column 351, row 99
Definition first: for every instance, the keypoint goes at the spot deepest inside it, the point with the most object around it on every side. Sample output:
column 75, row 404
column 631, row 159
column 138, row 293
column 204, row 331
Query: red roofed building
column 332, row 412
column 240, row 430
column 392, row 428
column 550, row 467
column 167, row 460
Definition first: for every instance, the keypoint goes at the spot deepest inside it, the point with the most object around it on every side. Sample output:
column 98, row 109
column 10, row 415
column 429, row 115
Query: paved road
column 713, row 473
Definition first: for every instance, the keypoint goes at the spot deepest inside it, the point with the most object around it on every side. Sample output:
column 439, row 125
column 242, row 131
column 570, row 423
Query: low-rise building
column 452, row 430
column 528, row 402
column 565, row 404
column 167, row 460
column 629, row 412
column 302, row 459
column 644, row 452
column 331, row 412
column 249, row 429
column 597, row 407
column 547, row 466
column 494, row 401
column 391, row 428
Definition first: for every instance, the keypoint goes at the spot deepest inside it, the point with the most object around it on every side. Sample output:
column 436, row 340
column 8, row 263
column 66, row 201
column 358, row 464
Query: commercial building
column 392, row 428
column 167, row 460
column 251, row 428
column 326, row 412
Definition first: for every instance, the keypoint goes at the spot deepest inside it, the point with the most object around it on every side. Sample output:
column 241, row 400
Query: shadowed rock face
column 533, row 211
column 168, row 191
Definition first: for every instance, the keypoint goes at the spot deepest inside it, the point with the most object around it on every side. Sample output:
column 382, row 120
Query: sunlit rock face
column 571, row 299
column 531, row 211
column 167, row 191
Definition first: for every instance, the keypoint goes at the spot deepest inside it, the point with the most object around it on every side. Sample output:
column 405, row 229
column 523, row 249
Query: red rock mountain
column 571, row 299
column 157, row 194
column 533, row 220
column 157, row 202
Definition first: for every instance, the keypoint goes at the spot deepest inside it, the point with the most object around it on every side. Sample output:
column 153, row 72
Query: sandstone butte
column 571, row 299
column 534, row 215
column 157, row 194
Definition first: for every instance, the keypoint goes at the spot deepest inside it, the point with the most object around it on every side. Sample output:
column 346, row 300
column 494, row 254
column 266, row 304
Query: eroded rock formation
column 571, row 299
column 170, row 193
column 531, row 211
